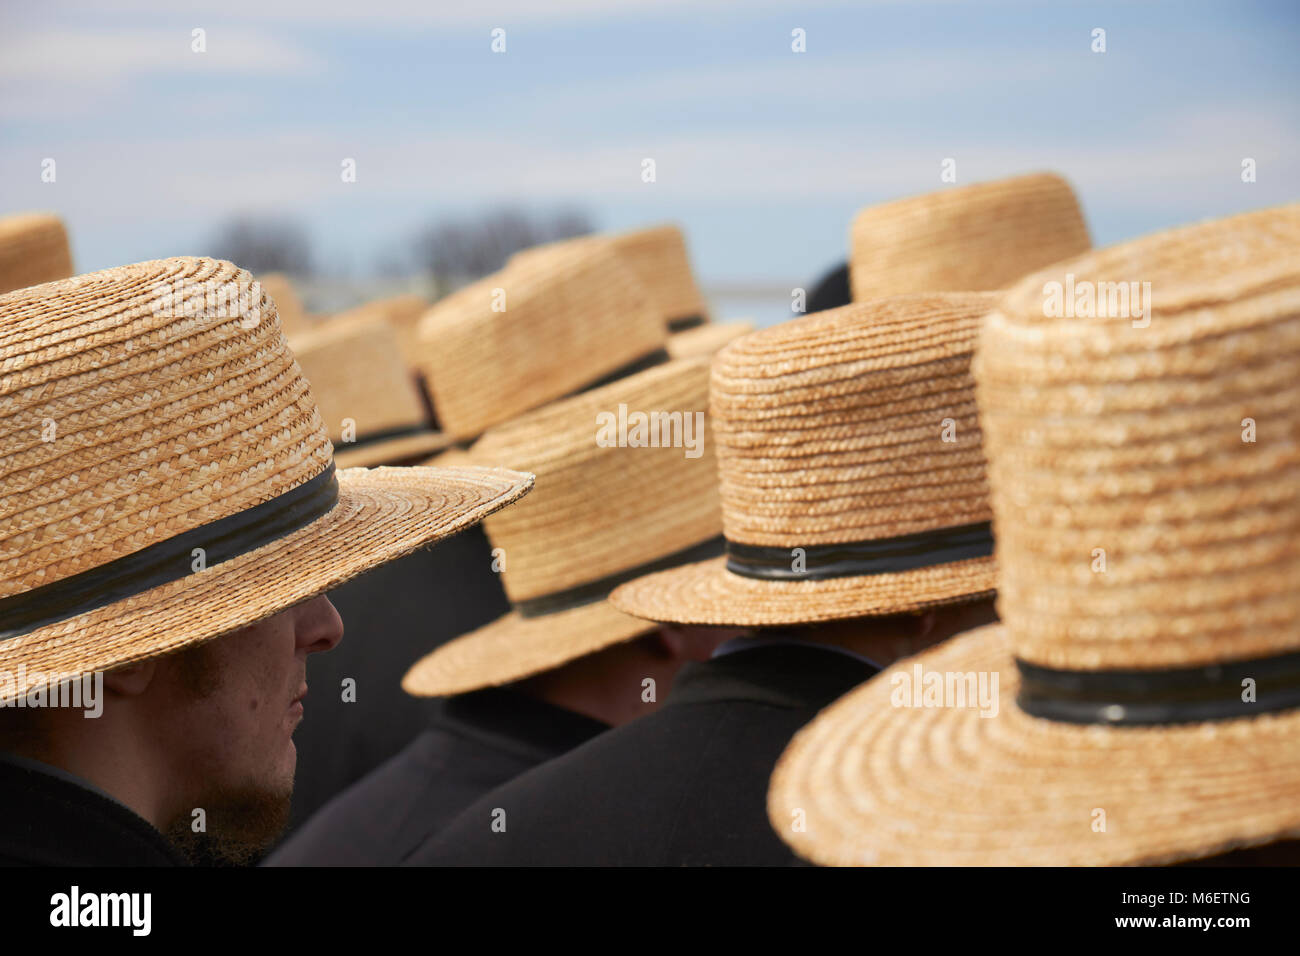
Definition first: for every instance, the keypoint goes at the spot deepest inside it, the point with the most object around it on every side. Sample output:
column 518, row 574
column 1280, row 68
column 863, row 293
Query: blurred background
column 762, row 154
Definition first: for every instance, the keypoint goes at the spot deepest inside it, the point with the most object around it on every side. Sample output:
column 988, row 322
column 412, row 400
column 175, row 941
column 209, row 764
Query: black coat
column 478, row 741
column 686, row 785
column 392, row 616
column 48, row 821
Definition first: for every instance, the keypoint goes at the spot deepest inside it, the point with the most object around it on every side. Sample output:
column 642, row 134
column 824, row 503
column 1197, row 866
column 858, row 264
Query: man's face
column 233, row 706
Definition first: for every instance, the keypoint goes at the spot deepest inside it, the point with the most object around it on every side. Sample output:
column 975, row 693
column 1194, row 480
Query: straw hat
column 841, row 495
column 33, row 249
column 1121, row 734
column 293, row 319
column 657, row 257
column 981, row 237
column 705, row 339
column 402, row 312
column 165, row 477
column 537, row 331
column 602, row 513
column 371, row 403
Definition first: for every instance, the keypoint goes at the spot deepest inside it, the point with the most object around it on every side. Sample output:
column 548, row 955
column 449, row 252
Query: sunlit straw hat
column 1144, row 465
column 165, row 477
column 981, row 237
column 539, row 330
column 402, row 312
column 658, row 258
column 852, row 472
column 602, row 513
column 370, row 401
column 33, row 249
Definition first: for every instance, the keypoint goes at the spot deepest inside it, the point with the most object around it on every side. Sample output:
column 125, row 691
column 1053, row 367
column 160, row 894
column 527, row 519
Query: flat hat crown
column 854, row 424
column 137, row 404
column 1141, row 407
column 978, row 237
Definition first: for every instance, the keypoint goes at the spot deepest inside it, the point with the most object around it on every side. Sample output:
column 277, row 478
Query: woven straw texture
column 943, row 786
column 831, row 429
column 357, row 373
column 981, row 237
column 657, row 257
column 598, row 511
column 33, row 250
column 571, row 316
column 514, row 647
column 705, row 339
column 169, row 413
column 1128, row 439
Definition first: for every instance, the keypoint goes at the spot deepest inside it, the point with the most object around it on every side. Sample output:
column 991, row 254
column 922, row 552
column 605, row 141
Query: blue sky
column 763, row 155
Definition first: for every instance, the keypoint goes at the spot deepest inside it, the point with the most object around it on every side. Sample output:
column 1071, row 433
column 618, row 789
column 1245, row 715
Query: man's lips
column 296, row 703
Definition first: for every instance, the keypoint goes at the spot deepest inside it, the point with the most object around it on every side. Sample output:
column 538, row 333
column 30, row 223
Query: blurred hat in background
column 372, row 405
column 974, row 238
column 33, row 250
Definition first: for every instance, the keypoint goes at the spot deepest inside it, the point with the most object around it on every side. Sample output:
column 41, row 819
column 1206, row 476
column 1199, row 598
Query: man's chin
column 237, row 826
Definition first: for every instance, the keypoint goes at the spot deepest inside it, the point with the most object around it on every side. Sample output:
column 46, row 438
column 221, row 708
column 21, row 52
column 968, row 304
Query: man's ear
column 925, row 622
column 131, row 680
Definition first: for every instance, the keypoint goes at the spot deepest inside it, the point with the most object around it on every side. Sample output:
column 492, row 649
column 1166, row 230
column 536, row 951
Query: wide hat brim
column 514, row 647
column 920, row 786
column 707, row 593
column 391, row 451
column 381, row 514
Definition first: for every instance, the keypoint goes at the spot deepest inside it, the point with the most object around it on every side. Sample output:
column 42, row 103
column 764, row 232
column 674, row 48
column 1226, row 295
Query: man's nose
column 318, row 626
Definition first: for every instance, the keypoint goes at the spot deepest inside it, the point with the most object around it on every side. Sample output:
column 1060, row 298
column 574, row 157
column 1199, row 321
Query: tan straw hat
column 981, row 237
column 539, row 330
column 402, row 312
column 603, row 512
column 851, row 468
column 657, row 257
column 370, row 401
column 165, row 477
column 33, row 249
column 1144, row 458
column 705, row 339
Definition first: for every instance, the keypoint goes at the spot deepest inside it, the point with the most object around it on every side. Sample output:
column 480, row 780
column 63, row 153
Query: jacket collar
column 52, row 820
column 510, row 721
column 788, row 675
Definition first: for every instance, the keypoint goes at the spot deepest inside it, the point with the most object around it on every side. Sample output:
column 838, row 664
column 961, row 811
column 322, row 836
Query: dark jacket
column 46, row 820
column 392, row 616
column 478, row 741
column 686, row 785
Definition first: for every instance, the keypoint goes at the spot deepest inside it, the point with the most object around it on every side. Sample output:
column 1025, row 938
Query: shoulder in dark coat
column 477, row 742
column 686, row 785
column 51, row 821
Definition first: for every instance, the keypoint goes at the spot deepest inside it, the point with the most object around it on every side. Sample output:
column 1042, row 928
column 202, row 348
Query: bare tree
column 264, row 245
column 468, row 249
